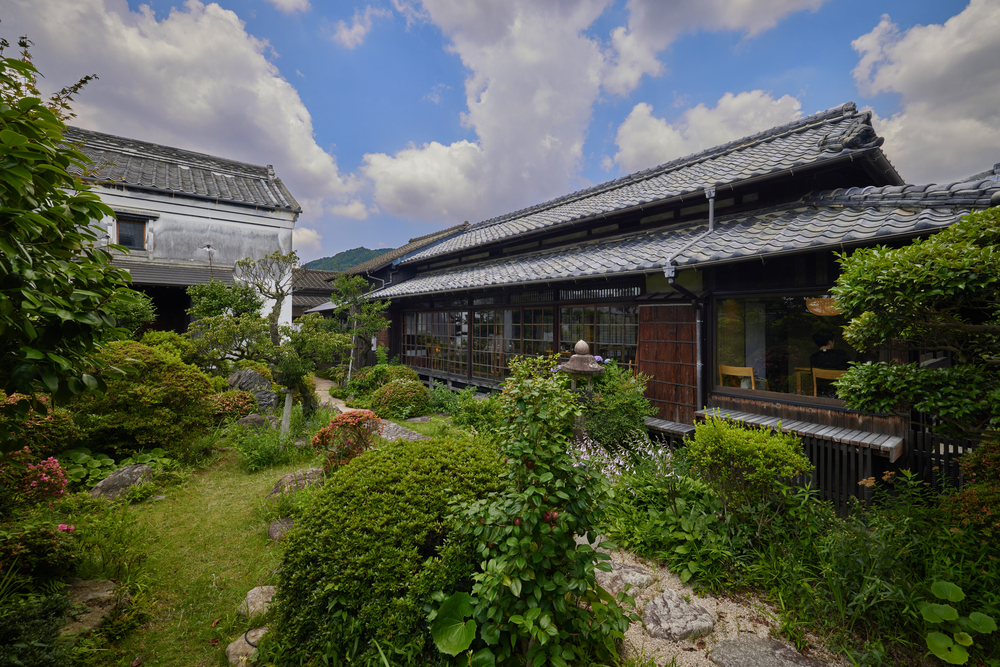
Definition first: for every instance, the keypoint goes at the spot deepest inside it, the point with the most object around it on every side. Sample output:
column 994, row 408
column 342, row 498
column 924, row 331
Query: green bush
column 219, row 384
column 29, row 631
column 232, row 405
column 744, row 464
column 45, row 434
column 366, row 380
column 481, row 414
column 258, row 366
column 346, row 437
column 153, row 400
column 442, row 399
column 614, row 417
column 978, row 502
column 400, row 398
column 38, row 549
column 375, row 545
column 172, row 342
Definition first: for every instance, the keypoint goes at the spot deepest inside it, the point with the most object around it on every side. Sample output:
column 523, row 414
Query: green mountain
column 346, row 259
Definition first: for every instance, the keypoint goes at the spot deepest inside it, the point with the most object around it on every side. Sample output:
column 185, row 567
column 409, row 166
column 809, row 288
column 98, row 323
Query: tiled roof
column 312, row 280
column 414, row 244
column 128, row 162
column 807, row 141
column 157, row 273
column 308, row 300
column 825, row 220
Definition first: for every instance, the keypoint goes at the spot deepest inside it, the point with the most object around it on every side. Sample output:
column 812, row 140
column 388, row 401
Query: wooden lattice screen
column 668, row 353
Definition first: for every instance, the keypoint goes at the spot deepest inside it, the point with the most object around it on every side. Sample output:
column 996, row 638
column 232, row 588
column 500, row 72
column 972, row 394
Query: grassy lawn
column 209, row 546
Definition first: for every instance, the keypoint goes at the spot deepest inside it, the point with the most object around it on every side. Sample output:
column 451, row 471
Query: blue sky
column 394, row 118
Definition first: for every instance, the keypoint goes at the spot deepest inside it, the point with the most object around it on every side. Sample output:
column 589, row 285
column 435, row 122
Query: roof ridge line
column 678, row 163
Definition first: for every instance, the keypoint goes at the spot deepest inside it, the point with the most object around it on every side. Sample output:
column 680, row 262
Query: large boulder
column 623, row 575
column 239, row 652
column 98, row 596
column 247, row 379
column 120, row 481
column 297, row 480
column 256, row 601
column 672, row 617
column 758, row 652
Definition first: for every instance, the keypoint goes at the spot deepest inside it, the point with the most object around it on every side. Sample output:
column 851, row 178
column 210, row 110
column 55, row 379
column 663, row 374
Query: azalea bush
column 347, row 436
column 231, row 405
column 400, row 398
column 46, row 431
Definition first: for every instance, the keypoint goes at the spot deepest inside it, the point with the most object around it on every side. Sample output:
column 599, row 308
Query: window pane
column 132, row 234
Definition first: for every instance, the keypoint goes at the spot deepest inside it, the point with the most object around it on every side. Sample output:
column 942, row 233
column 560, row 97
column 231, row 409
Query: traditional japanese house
column 710, row 273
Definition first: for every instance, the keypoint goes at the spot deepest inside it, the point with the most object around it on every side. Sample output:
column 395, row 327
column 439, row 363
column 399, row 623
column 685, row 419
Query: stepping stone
column 622, row 575
column 419, row 420
column 256, row 601
column 671, row 617
column 758, row 652
column 279, row 527
column 239, row 652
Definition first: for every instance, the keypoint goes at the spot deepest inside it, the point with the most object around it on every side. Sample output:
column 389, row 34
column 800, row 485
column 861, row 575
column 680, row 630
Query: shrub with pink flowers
column 231, row 405
column 347, row 436
column 44, row 481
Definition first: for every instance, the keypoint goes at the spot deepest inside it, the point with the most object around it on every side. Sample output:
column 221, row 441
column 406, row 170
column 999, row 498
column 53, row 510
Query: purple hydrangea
column 598, row 358
column 554, row 369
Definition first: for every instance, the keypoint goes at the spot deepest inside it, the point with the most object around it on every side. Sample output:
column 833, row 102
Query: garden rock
column 297, row 480
column 419, row 420
column 622, row 575
column 255, row 422
column 239, row 652
column 256, row 601
column 671, row 617
column 247, row 379
column 758, row 652
column 278, row 528
column 98, row 596
column 120, row 481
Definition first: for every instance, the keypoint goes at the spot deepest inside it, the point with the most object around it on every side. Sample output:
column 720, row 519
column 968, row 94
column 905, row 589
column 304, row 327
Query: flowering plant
column 347, row 436
column 45, row 480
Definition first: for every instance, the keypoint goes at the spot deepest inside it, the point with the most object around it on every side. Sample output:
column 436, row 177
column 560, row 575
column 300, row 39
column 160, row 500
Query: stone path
column 390, row 430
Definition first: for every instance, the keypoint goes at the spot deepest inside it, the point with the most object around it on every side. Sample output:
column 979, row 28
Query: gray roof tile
column 126, row 162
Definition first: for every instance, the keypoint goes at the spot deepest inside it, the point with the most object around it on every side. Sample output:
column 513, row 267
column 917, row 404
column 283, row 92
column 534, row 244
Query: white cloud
column 946, row 78
column 436, row 92
column 193, row 79
column 654, row 24
column 291, row 6
column 533, row 79
column 353, row 36
column 304, row 238
column 356, row 210
column 646, row 141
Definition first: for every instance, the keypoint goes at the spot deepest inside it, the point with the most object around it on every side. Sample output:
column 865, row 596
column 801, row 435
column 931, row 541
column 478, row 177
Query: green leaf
column 451, row 633
column 938, row 613
column 963, row 638
column 483, row 658
column 11, row 138
column 945, row 590
column 982, row 623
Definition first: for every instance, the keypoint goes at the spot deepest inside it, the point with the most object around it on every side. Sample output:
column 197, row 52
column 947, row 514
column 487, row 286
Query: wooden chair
column 824, row 374
column 737, row 371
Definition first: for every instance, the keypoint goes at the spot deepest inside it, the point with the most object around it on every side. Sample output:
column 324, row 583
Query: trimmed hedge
column 363, row 561
column 366, row 380
column 401, row 398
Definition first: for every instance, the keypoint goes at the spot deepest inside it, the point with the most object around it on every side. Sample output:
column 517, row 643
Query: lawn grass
column 209, row 546
column 437, row 427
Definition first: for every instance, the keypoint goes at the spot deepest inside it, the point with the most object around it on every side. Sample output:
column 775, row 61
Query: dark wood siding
column 668, row 353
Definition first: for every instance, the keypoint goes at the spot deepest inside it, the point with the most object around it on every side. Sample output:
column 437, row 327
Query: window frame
column 119, row 219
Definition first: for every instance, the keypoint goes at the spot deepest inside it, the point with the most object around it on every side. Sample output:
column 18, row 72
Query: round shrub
column 365, row 558
column 153, row 400
column 232, row 405
column 401, row 373
column 366, row 380
column 172, row 342
column 347, row 436
column 401, row 398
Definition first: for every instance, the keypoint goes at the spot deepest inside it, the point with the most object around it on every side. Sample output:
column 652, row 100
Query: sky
column 392, row 119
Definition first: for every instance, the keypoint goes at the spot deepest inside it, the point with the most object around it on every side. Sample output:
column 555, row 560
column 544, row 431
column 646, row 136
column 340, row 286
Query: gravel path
column 393, row 431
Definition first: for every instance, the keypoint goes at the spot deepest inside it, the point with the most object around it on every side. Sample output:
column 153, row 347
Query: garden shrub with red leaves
column 232, row 405
column 401, row 398
column 38, row 549
column 347, row 436
column 978, row 502
column 45, row 433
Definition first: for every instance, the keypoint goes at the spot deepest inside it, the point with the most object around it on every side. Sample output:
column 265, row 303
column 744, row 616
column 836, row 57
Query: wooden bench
column 888, row 446
column 670, row 429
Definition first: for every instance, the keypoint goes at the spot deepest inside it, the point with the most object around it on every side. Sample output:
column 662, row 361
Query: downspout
column 670, row 271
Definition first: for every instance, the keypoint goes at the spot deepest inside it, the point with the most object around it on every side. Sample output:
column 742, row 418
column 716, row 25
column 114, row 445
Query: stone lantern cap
column 582, row 362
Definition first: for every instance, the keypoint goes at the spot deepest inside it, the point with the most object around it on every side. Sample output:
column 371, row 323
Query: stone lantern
column 582, row 365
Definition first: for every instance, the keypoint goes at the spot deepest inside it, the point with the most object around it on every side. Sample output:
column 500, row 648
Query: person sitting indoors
column 828, row 358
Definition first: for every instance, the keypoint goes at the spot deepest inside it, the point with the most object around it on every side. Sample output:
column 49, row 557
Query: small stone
column 671, row 617
column 158, row 497
column 297, row 480
column 256, row 601
column 278, row 528
column 758, row 652
column 419, row 420
column 254, row 421
column 623, row 575
column 120, row 481
column 239, row 652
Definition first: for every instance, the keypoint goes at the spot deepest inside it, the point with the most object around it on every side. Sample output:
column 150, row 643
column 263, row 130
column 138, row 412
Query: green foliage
column 347, row 436
column 366, row 380
column 365, row 317
column 258, row 366
column 614, row 417
column 442, row 399
column 536, row 600
column 29, row 631
column 46, row 431
column 977, row 503
column 952, row 649
column 400, row 398
column 366, row 557
column 112, row 544
column 220, row 339
column 153, row 400
column 232, row 405
column 270, row 277
column 85, row 468
column 172, row 342
column 37, row 548
column 346, row 259
column 132, row 310
column 56, row 282
column 483, row 415
column 216, row 298
column 937, row 293
column 743, row 465
column 263, row 448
